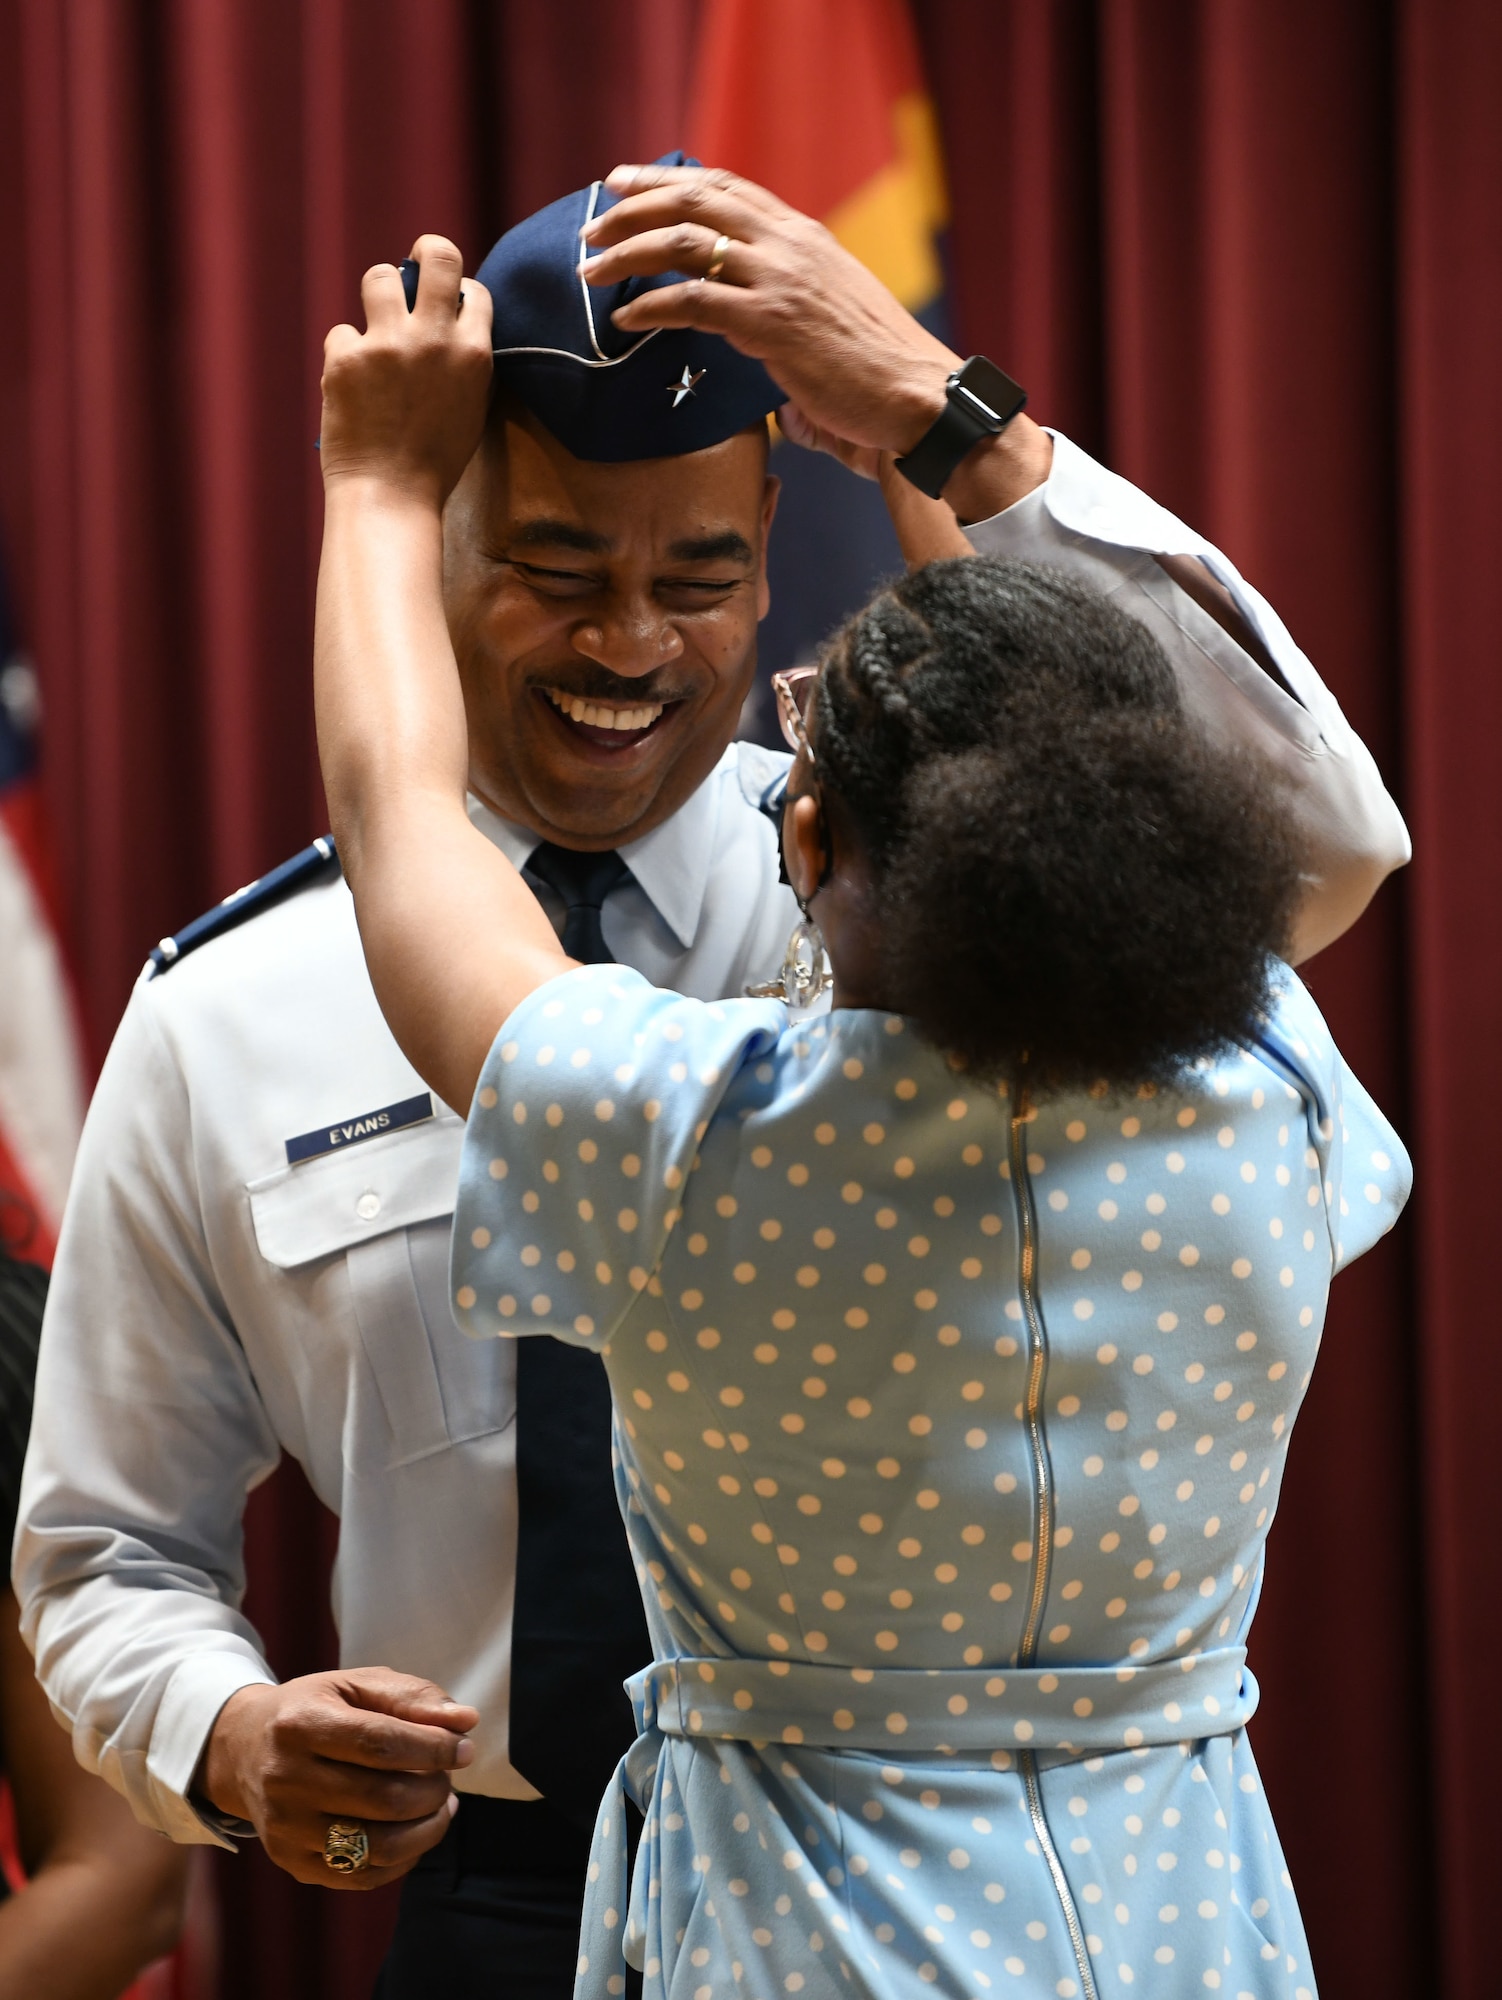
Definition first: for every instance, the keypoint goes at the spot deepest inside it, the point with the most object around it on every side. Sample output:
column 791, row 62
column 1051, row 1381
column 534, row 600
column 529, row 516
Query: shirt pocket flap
column 326, row 1205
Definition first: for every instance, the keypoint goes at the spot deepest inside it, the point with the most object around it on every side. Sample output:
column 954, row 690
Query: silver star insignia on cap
column 686, row 384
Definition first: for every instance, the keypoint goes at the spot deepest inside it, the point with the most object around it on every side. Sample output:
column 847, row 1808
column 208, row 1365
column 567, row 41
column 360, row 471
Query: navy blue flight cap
column 605, row 394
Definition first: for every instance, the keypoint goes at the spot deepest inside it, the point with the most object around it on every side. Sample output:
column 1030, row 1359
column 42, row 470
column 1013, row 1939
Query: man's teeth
column 599, row 716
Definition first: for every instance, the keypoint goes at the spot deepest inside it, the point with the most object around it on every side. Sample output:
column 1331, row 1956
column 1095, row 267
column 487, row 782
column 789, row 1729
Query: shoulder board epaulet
column 273, row 887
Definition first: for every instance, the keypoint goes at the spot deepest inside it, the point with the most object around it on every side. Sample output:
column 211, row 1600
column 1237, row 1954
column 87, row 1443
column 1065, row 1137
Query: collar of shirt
column 671, row 864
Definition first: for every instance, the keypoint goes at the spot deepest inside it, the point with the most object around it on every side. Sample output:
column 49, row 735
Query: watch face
column 992, row 387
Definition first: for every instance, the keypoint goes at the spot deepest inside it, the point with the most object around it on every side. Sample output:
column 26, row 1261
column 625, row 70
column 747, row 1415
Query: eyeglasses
column 793, row 689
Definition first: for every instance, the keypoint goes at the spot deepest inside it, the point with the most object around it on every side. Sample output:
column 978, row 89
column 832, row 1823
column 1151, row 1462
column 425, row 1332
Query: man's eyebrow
column 726, row 547
column 549, row 534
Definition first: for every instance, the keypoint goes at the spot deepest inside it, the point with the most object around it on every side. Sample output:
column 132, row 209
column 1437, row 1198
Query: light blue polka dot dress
column 947, row 1444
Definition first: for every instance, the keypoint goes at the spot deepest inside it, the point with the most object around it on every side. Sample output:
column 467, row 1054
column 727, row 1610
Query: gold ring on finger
column 717, row 259
column 346, row 1847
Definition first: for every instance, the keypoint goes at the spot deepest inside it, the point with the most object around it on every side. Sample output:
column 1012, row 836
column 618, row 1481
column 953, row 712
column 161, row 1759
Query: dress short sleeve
column 1376, row 1174
column 1364, row 1166
column 579, row 1145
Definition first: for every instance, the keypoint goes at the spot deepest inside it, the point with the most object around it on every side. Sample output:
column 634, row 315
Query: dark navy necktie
column 578, row 1629
column 583, row 881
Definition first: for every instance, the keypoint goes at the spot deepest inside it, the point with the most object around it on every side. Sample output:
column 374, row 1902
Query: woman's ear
column 803, row 846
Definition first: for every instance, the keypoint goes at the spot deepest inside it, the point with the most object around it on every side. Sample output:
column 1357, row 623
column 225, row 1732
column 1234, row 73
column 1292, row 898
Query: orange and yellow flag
column 823, row 102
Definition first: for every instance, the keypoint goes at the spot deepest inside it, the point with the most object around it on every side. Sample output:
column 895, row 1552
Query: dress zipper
column 1032, row 1408
column 1043, row 1516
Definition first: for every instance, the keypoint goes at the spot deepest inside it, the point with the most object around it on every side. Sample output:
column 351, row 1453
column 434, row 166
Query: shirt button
column 368, row 1207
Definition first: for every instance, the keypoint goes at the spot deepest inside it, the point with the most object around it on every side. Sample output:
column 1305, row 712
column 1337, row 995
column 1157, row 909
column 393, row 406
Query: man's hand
column 404, row 402
column 862, row 374
column 368, row 1745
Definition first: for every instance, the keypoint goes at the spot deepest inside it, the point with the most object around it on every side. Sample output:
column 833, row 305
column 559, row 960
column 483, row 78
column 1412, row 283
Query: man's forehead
column 697, row 541
column 700, row 505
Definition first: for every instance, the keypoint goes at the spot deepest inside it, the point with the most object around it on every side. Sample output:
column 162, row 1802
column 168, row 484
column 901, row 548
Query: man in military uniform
column 254, row 1258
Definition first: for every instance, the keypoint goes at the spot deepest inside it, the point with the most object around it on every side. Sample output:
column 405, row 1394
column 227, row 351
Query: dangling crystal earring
column 805, row 976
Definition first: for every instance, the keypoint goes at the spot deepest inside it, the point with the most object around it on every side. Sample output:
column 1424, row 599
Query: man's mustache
column 615, row 690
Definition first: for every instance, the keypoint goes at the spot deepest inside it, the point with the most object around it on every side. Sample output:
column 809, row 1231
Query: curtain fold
column 1447, row 404
column 1247, row 253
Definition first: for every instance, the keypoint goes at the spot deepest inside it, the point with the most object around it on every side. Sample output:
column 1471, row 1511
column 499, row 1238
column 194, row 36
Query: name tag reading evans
column 369, row 1125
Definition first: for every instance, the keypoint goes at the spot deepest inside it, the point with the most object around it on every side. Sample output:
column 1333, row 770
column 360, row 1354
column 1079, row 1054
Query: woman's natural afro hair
column 1074, row 886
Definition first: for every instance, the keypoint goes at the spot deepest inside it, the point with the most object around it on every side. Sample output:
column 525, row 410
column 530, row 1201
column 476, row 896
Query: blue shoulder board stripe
column 245, row 903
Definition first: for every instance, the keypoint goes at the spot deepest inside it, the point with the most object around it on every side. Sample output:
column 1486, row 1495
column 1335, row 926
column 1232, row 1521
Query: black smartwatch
column 979, row 402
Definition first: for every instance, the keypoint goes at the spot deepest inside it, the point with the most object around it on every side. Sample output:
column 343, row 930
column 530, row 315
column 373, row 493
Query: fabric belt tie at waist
column 1079, row 1710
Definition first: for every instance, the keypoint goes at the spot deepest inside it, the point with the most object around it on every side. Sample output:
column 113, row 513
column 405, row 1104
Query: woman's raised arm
column 453, row 937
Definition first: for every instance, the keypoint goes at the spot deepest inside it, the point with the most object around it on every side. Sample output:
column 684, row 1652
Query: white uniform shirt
column 213, row 1305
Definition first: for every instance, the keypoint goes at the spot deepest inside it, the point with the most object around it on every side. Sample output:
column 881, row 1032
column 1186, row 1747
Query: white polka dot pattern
column 797, row 1249
column 823, row 1874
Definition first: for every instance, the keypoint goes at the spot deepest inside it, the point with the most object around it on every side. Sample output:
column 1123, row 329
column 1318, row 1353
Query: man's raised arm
column 1240, row 671
column 864, row 378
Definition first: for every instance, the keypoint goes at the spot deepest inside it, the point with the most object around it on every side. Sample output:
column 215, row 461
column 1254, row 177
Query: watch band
column 979, row 402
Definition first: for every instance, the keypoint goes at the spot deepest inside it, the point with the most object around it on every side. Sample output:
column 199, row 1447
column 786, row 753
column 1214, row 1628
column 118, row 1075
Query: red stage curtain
column 1448, row 404
column 1247, row 252
column 1196, row 263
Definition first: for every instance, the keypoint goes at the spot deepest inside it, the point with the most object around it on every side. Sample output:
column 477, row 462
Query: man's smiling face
column 604, row 618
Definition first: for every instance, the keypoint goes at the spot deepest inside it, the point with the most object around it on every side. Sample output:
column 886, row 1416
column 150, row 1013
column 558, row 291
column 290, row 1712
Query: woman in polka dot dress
column 949, row 1572
column 954, row 1363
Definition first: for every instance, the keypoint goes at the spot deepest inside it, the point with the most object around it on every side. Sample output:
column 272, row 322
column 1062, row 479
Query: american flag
column 41, row 1068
